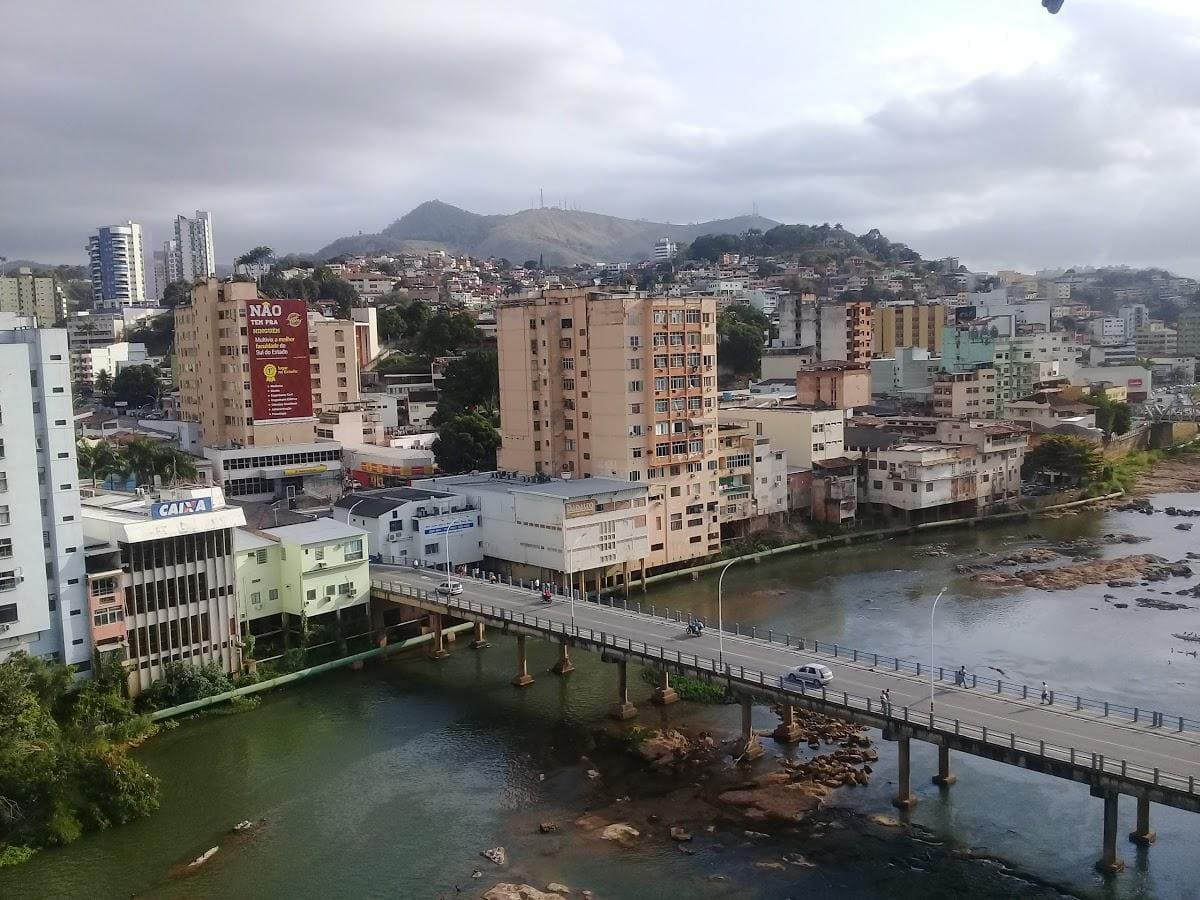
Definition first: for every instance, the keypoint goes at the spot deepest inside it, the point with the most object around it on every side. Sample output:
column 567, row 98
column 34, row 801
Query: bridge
column 1115, row 749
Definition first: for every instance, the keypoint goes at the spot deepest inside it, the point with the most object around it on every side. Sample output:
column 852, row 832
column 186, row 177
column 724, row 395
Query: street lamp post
column 721, row 616
column 931, row 612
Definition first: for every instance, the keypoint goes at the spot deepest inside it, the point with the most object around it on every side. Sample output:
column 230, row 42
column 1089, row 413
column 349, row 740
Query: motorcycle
column 547, row 597
column 694, row 629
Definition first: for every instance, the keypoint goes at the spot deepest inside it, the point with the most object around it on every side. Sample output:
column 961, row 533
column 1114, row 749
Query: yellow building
column 617, row 385
column 908, row 325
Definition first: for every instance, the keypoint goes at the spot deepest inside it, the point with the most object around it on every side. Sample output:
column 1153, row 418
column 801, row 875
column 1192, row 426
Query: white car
column 811, row 673
column 450, row 587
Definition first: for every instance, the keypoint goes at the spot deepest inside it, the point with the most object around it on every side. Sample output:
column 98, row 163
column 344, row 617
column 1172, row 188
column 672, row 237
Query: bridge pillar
column 1142, row 833
column 437, row 650
column 522, row 678
column 904, row 796
column 788, row 730
column 563, row 666
column 944, row 777
column 1109, row 863
column 664, row 694
column 748, row 748
column 480, row 641
column 623, row 709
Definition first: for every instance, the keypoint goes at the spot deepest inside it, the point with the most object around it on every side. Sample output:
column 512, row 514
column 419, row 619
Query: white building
column 278, row 470
column 538, row 527
column 87, row 364
column 1108, row 331
column 117, row 267
column 804, row 434
column 162, row 584
column 189, row 256
column 665, row 249
column 414, row 526
column 752, row 474
column 1135, row 316
column 43, row 600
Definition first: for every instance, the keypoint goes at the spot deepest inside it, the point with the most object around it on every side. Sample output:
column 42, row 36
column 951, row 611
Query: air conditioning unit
column 4, row 628
column 393, row 538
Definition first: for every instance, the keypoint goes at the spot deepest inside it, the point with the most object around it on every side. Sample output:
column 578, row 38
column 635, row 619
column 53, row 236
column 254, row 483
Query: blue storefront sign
column 169, row 509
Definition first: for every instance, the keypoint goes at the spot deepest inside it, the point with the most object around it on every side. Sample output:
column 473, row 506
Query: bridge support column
column 1142, row 833
column 563, row 666
column 904, row 795
column 1109, row 863
column 748, row 748
column 437, row 650
column 622, row 709
column 944, row 777
column 480, row 641
column 522, row 678
column 664, row 694
column 788, row 730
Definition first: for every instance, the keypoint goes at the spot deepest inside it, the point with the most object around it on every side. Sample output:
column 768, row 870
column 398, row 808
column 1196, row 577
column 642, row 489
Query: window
column 635, row 409
column 692, row 316
column 260, row 556
column 8, row 580
column 354, row 550
column 635, row 387
column 311, row 596
column 4, row 516
column 8, row 613
column 431, row 549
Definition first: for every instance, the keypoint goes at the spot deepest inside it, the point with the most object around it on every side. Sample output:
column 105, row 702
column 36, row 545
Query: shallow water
column 390, row 781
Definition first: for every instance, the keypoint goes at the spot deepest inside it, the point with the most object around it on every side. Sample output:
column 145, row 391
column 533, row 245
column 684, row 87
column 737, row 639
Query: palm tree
column 103, row 382
column 85, row 458
column 98, row 461
column 141, row 460
column 173, row 465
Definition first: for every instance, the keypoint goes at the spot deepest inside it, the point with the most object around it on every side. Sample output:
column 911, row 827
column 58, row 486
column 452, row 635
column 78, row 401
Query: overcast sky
column 987, row 129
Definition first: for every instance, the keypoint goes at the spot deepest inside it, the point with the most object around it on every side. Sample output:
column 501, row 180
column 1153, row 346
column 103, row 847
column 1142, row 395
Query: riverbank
column 1171, row 474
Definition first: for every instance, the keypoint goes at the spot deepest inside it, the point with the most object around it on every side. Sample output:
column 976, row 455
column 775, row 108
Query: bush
column 15, row 854
column 182, row 683
column 695, row 690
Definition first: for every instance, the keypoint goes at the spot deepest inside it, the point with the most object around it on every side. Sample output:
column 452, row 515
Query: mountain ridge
column 559, row 236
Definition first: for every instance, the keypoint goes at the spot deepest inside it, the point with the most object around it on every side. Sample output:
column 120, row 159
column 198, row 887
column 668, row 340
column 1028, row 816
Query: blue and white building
column 117, row 268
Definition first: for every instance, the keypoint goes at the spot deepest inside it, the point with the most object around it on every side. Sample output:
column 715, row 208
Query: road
column 1140, row 744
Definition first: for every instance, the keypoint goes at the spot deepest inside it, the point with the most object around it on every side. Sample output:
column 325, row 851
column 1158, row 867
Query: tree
column 741, row 330
column 141, row 458
column 1112, row 416
column 172, row 464
column 137, row 386
column 157, row 333
column 446, row 332
column 102, row 382
column 175, row 293
column 466, row 442
column 182, row 683
column 257, row 256
column 1073, row 459
column 470, row 383
column 98, row 461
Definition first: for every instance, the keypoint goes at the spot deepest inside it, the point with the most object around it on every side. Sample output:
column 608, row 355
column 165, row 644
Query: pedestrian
column 962, row 676
column 1045, row 693
column 885, row 701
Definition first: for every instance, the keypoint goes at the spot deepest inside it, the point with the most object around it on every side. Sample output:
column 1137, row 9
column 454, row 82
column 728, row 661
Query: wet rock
column 1158, row 603
column 885, row 821
column 495, row 855
column 1119, row 572
column 664, row 747
column 770, row 864
column 592, row 774
column 555, row 888
column 679, row 833
column 203, row 858
column 548, row 827
column 506, row 891
column 1184, row 526
column 620, row 833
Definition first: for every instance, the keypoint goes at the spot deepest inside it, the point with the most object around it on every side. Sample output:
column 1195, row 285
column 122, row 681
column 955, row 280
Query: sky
column 984, row 129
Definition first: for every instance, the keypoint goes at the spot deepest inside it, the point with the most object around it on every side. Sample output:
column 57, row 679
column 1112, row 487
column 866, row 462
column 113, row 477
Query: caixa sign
column 169, row 509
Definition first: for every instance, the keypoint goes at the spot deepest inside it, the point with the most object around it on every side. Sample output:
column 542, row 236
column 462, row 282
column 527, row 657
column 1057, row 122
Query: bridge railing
column 1004, row 740
column 971, row 680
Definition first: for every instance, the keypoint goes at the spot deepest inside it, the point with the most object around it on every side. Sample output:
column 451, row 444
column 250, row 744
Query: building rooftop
column 317, row 531
column 373, row 504
column 533, row 484
column 833, row 365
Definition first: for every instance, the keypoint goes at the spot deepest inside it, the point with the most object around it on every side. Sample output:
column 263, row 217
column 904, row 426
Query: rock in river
column 505, row 891
column 625, row 835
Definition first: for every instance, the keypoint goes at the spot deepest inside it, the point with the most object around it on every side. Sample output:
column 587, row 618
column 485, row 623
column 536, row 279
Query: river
column 389, row 782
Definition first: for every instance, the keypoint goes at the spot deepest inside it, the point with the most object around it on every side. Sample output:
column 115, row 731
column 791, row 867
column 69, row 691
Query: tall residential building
column 24, row 294
column 189, row 255
column 117, row 268
column 618, row 385
column 835, row 331
column 665, row 249
column 43, row 604
column 906, row 324
column 253, row 375
column 1156, row 339
column 1187, row 342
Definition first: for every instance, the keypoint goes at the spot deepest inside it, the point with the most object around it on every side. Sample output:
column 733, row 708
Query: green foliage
column 146, row 459
column 1112, row 416
column 402, row 363
column 175, row 293
column 102, row 383
column 741, row 333
column 181, row 683
column 465, row 442
column 62, row 768
column 400, row 319
column 256, row 256
column 694, row 690
column 322, row 284
column 1072, row 458
column 794, row 240
column 1122, row 474
column 447, row 332
column 157, row 332
column 470, row 383
column 138, row 386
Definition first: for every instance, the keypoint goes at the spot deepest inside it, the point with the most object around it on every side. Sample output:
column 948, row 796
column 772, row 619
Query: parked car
column 811, row 673
column 450, row 587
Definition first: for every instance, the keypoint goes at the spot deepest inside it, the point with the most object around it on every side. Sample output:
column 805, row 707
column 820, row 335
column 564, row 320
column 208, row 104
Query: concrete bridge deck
column 1155, row 758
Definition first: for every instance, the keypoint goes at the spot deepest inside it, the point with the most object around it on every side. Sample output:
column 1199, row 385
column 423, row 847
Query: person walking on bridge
column 1045, row 693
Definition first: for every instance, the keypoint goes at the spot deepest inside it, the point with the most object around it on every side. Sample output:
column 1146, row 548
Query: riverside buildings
column 622, row 386
column 43, row 603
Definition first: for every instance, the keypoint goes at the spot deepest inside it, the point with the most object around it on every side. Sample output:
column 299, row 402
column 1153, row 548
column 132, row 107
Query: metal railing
column 1004, row 740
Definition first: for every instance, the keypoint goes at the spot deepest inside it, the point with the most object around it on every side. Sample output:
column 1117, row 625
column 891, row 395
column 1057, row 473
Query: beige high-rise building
column 908, row 325
column 214, row 368
column 37, row 296
column 619, row 385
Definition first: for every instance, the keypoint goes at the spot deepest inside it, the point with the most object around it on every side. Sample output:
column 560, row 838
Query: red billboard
column 277, row 340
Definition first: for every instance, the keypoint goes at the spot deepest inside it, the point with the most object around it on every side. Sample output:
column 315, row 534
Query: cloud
column 1065, row 139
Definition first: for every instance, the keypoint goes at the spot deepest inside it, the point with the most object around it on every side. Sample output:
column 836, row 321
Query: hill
column 560, row 236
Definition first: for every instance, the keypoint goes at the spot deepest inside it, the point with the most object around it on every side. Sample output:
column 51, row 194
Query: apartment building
column 834, row 385
column 971, row 394
column 1187, row 341
column 908, row 375
column 87, row 364
column 784, row 362
column 618, row 385
column 1000, row 452
column 806, row 435
column 1156, row 339
column 162, row 580
column 38, row 296
column 189, row 256
column 1108, row 331
column 43, row 600
column 752, row 475
column 253, row 375
column 907, row 324
column 117, row 268
column 834, row 331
